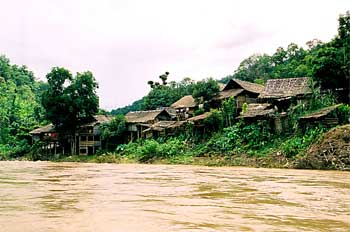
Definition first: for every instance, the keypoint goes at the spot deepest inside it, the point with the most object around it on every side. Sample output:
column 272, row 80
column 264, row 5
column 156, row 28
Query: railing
column 90, row 143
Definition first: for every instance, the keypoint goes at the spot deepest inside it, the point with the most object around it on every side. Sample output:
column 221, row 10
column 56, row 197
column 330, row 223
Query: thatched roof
column 143, row 116
column 255, row 110
column 170, row 111
column 98, row 119
column 221, row 86
column 162, row 125
column 248, row 86
column 185, row 102
column 320, row 113
column 287, row 87
column 228, row 93
column 45, row 129
column 199, row 117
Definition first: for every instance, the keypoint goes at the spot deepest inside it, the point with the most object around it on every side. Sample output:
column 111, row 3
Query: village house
column 241, row 91
column 163, row 128
column 328, row 117
column 138, row 121
column 256, row 111
column 198, row 122
column 278, row 122
column 88, row 137
column 283, row 92
column 275, row 99
column 185, row 107
column 49, row 136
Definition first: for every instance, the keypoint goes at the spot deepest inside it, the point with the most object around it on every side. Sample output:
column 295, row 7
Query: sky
column 126, row 43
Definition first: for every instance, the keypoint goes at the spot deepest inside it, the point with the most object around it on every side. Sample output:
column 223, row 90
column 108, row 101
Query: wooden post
column 55, row 148
column 93, row 144
column 79, row 140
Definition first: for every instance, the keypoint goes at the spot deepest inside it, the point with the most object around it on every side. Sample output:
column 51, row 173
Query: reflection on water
column 41, row 196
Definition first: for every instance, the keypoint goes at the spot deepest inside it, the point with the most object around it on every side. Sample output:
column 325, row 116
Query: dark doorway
column 90, row 150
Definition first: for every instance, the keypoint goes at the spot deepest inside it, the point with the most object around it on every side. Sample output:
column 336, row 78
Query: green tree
column 114, row 130
column 254, row 67
column 160, row 96
column 228, row 109
column 18, row 106
column 214, row 122
column 205, row 90
column 69, row 101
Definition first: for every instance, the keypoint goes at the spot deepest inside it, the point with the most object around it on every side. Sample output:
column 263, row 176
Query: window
column 90, row 138
column 83, row 138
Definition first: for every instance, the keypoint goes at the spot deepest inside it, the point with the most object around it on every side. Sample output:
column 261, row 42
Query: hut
column 89, row 135
column 278, row 122
column 257, row 111
column 327, row 117
column 49, row 136
column 42, row 133
column 138, row 121
column 242, row 91
column 163, row 128
column 283, row 92
column 199, row 118
column 199, row 126
column 185, row 107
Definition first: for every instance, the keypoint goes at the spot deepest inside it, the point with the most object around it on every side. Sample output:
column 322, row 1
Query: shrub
column 344, row 113
column 298, row 143
column 147, row 150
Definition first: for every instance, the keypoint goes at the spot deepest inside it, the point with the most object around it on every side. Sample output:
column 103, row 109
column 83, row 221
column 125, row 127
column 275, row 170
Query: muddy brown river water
column 75, row 197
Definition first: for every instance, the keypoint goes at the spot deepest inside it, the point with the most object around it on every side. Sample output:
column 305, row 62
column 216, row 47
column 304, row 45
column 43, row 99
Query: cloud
column 127, row 43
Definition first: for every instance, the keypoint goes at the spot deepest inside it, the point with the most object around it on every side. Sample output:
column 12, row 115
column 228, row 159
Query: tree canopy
column 70, row 101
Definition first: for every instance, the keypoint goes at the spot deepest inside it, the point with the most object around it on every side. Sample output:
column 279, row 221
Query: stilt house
column 87, row 137
column 242, row 91
column 138, row 121
column 185, row 107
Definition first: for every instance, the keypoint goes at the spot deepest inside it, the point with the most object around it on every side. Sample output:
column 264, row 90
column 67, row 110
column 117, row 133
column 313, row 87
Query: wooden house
column 278, row 122
column 257, row 111
column 185, row 107
column 49, row 136
column 88, row 139
column 283, row 92
column 327, row 117
column 242, row 91
column 138, row 121
column 89, row 135
column 198, row 122
column 163, row 128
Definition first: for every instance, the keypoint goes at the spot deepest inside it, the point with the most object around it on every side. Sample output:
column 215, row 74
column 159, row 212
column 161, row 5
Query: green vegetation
column 20, row 108
column 68, row 101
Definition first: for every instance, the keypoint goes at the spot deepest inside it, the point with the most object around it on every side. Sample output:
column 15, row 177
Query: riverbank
column 312, row 150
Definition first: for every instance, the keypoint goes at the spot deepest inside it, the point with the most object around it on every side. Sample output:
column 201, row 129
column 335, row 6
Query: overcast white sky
column 125, row 43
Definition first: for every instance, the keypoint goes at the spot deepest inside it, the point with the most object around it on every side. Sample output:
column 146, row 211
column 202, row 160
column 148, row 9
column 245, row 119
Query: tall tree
column 69, row 101
column 204, row 90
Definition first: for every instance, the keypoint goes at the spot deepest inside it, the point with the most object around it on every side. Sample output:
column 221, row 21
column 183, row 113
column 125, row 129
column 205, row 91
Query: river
column 77, row 197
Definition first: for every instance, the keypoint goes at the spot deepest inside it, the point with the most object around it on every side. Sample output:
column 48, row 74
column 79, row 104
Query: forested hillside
column 20, row 107
column 327, row 62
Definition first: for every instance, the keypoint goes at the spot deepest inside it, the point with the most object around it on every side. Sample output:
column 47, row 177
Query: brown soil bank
column 332, row 151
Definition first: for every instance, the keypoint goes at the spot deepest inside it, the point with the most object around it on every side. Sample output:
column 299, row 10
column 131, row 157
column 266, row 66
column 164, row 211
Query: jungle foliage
column 70, row 100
